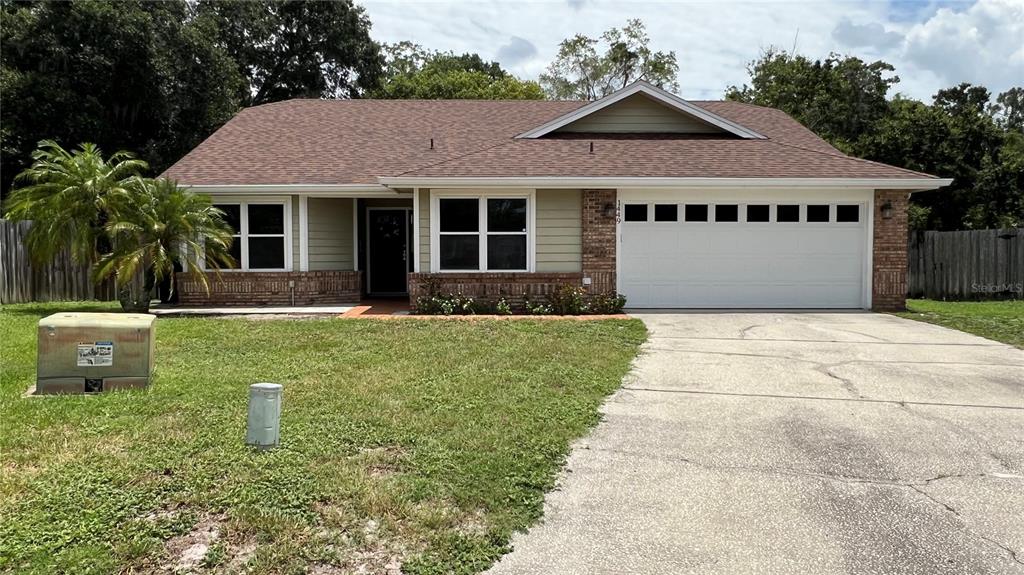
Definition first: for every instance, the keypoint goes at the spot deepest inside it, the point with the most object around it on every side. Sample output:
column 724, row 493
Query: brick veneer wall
column 272, row 288
column 889, row 260
column 598, row 243
column 515, row 287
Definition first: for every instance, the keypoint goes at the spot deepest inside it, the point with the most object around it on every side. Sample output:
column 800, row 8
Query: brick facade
column 889, row 259
column 598, row 242
column 515, row 287
column 272, row 288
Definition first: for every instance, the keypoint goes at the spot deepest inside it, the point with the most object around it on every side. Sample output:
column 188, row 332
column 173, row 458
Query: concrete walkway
column 796, row 443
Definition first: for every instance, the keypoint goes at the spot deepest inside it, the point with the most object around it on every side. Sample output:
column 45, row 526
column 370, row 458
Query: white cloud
column 981, row 45
column 714, row 40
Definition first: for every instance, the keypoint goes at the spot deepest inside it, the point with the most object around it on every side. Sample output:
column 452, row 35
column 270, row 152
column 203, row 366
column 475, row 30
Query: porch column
column 599, row 241
column 889, row 251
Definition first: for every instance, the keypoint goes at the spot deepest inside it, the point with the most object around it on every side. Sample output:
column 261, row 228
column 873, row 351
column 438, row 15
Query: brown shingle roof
column 357, row 141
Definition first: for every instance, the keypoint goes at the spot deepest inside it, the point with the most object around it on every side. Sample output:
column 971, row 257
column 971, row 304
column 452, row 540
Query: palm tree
column 69, row 197
column 160, row 226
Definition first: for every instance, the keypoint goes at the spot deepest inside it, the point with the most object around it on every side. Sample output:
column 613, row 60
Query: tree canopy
column 159, row 77
column 142, row 76
column 288, row 49
column 962, row 134
column 579, row 72
column 413, row 72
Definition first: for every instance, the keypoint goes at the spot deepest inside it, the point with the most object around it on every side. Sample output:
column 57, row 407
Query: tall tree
column 127, row 75
column 839, row 98
column 579, row 72
column 412, row 72
column 292, row 48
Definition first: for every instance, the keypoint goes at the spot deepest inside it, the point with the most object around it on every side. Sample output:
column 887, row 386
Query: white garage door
column 701, row 254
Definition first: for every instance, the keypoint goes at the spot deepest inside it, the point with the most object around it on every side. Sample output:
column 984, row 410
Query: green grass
column 429, row 442
column 999, row 320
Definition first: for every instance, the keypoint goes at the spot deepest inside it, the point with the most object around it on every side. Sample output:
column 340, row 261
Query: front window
column 483, row 234
column 260, row 241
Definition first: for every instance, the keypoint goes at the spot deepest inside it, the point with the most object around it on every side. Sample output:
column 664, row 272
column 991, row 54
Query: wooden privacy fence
column 973, row 264
column 22, row 280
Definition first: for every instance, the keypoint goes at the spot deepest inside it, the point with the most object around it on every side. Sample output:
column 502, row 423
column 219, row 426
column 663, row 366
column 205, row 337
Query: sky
column 933, row 44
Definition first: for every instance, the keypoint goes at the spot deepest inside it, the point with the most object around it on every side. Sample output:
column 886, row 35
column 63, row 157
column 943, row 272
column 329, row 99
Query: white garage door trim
column 865, row 197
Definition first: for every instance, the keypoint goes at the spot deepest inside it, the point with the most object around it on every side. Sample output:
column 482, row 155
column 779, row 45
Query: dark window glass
column 232, row 215
column 666, row 213
column 506, row 252
column 817, row 213
column 460, row 252
column 266, row 219
column 506, row 215
column 696, row 212
column 636, row 212
column 787, row 213
column 758, row 213
column 266, row 253
column 727, row 213
column 460, row 215
column 847, row 213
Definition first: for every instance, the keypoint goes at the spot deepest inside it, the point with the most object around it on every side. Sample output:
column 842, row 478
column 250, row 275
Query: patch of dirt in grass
column 185, row 552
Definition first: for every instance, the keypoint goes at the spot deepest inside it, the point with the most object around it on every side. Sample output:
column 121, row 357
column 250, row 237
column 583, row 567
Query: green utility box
column 93, row 352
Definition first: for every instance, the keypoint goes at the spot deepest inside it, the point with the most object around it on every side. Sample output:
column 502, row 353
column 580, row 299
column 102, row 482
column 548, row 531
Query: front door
column 388, row 251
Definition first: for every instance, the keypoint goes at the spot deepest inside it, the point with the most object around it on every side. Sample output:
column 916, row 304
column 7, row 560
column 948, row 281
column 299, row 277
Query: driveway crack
column 1007, row 549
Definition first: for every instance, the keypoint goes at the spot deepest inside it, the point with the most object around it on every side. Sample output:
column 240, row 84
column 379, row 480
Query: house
column 674, row 203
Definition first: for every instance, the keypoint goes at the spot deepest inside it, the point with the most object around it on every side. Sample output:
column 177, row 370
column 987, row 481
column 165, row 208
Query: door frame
column 369, row 249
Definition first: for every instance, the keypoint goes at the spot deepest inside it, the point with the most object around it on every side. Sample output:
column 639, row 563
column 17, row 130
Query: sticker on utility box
column 97, row 353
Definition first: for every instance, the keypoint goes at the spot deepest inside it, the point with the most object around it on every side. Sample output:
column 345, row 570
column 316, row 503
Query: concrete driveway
column 789, row 443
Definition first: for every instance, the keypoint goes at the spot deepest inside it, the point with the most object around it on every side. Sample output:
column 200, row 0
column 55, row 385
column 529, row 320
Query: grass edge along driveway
column 996, row 320
column 424, row 444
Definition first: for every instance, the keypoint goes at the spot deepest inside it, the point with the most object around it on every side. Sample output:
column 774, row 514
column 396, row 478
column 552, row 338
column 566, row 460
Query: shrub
column 607, row 303
column 568, row 299
column 503, row 307
column 537, row 308
column 450, row 304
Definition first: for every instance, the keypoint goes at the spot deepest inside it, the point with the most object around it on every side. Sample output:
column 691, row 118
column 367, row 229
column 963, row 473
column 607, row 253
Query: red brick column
column 599, row 209
column 889, row 259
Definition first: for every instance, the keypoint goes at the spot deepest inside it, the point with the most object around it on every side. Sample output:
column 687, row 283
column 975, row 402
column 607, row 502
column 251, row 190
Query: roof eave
column 909, row 184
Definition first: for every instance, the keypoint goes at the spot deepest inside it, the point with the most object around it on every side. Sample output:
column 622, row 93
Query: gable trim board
column 670, row 100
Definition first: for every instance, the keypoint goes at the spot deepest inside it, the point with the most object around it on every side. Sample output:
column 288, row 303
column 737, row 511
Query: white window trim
column 243, row 235
column 483, row 195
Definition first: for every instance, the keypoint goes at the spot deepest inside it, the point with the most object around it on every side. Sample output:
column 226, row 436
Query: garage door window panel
column 696, row 212
column 635, row 212
column 848, row 214
column 727, row 213
column 787, row 213
column 759, row 213
column 818, row 213
column 666, row 212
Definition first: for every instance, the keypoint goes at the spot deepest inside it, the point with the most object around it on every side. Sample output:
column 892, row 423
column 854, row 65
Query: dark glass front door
column 388, row 247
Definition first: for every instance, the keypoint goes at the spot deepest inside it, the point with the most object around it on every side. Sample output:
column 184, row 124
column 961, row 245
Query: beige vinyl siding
column 639, row 113
column 559, row 230
column 330, row 234
column 424, row 202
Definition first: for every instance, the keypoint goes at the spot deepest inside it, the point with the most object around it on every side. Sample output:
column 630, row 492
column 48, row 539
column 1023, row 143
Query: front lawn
column 420, row 443
column 999, row 320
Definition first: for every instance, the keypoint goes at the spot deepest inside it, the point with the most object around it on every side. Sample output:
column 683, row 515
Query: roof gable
column 641, row 108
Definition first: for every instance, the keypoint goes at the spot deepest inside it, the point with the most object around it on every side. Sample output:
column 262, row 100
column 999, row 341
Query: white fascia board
column 670, row 100
column 913, row 184
column 325, row 190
